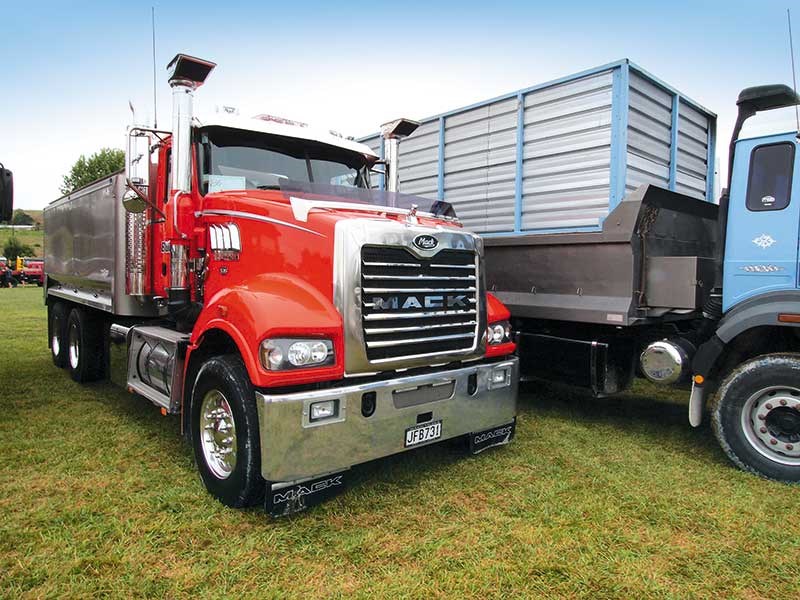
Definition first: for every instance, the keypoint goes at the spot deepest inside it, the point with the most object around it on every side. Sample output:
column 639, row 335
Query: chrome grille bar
column 422, row 277
column 416, row 315
column 386, row 290
column 435, row 338
column 373, row 330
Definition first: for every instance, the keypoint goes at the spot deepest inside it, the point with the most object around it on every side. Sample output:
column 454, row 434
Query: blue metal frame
column 673, row 141
column 440, row 175
column 620, row 97
column 519, row 160
column 712, row 158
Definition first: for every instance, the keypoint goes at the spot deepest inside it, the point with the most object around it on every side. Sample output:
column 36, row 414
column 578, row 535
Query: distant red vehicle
column 30, row 270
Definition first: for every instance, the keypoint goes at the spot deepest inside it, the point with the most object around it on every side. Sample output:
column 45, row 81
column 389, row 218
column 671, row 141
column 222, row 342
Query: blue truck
column 603, row 236
column 683, row 292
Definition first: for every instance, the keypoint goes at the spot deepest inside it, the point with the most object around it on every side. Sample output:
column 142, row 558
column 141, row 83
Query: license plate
column 419, row 434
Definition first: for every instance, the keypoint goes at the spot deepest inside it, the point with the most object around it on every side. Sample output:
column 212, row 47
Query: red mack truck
column 242, row 274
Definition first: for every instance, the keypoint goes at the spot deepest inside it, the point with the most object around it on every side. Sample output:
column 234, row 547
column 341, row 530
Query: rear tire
column 224, row 431
column 84, row 351
column 756, row 416
column 57, row 333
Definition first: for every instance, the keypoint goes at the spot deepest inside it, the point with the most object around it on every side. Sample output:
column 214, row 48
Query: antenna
column 794, row 71
column 155, row 99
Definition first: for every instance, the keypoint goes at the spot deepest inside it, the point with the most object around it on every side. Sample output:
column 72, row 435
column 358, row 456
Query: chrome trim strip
column 385, row 264
column 380, row 330
column 471, row 267
column 421, row 277
column 417, row 315
column 253, row 217
column 436, row 338
column 418, row 290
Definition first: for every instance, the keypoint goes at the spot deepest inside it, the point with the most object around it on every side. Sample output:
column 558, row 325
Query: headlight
column 498, row 333
column 286, row 353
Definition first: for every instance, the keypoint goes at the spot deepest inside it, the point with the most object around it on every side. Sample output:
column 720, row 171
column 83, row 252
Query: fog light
column 500, row 377
column 498, row 333
column 327, row 409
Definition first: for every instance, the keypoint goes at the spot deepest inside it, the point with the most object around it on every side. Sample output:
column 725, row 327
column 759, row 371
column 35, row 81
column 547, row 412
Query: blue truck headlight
column 279, row 354
column 498, row 333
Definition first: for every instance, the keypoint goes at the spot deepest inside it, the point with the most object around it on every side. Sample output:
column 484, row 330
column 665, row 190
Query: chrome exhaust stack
column 186, row 74
column 392, row 132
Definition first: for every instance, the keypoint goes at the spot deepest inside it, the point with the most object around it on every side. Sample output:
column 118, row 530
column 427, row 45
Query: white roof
column 299, row 131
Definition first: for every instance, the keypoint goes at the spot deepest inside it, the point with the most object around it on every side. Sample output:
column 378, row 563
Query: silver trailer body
column 560, row 156
column 86, row 238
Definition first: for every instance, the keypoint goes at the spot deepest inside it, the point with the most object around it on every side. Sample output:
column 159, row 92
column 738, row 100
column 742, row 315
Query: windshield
column 233, row 159
column 333, row 193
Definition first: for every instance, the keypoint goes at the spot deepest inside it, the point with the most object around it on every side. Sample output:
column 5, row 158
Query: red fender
column 258, row 308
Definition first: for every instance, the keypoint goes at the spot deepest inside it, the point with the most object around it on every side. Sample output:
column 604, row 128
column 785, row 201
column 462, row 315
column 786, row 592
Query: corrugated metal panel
column 562, row 176
column 567, row 153
column 649, row 133
column 418, row 161
column 479, row 165
column 692, row 164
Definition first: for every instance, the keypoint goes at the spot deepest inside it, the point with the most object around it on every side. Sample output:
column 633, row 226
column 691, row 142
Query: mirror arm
column 138, row 191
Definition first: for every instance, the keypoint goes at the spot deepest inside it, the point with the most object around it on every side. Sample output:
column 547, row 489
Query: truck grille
column 412, row 306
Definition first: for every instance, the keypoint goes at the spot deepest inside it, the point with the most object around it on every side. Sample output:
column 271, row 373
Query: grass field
column 594, row 498
column 34, row 239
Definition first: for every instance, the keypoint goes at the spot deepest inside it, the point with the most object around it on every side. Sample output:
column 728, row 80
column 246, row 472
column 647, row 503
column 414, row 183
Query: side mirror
column 766, row 97
column 137, row 171
column 138, row 156
column 133, row 202
column 6, row 194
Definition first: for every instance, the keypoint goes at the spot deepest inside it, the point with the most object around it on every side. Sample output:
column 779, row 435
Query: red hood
column 275, row 241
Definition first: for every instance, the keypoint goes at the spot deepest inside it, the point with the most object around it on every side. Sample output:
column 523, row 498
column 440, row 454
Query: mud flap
column 489, row 438
column 286, row 498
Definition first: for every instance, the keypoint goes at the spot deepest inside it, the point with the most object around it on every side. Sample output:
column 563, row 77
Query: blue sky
column 70, row 68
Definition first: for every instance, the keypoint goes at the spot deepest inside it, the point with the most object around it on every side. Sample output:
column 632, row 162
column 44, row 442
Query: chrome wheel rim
column 771, row 424
column 218, row 434
column 55, row 342
column 74, row 347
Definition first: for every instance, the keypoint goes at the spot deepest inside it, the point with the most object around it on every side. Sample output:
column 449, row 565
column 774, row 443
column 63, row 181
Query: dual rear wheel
column 76, row 341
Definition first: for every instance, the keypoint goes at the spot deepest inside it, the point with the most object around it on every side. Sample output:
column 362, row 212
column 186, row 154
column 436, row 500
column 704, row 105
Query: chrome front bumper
column 293, row 448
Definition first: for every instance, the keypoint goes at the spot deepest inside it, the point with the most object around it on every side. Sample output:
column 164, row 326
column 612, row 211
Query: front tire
column 84, row 337
column 756, row 416
column 224, row 430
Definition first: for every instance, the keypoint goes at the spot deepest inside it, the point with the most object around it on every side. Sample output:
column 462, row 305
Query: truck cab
column 761, row 244
column 243, row 274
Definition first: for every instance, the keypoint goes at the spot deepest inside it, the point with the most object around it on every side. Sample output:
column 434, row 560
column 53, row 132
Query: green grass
column 34, row 239
column 594, row 498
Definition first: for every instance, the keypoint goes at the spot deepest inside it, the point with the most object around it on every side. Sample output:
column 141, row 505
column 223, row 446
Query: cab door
column 761, row 246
